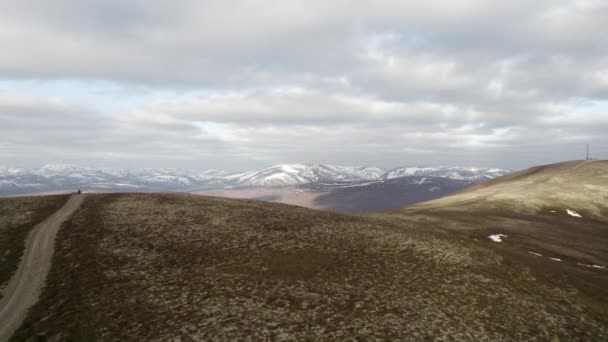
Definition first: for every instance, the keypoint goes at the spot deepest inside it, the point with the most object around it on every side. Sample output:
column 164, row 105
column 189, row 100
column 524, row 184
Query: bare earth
column 24, row 287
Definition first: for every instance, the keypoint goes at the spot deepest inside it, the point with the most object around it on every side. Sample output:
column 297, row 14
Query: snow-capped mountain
column 9, row 171
column 295, row 174
column 54, row 177
column 458, row 173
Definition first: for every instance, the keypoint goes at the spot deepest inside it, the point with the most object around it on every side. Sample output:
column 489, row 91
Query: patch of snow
column 537, row 254
column 553, row 211
column 61, row 167
column 555, row 259
column 291, row 168
column 495, row 170
column 592, row 266
column 355, row 185
column 167, row 179
column 497, row 237
column 457, row 173
column 109, row 185
column 573, row 213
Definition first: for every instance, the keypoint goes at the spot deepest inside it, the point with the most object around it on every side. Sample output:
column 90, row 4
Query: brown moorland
column 184, row 267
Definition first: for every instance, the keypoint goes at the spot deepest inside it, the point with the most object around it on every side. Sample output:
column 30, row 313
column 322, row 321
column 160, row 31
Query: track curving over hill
column 24, row 287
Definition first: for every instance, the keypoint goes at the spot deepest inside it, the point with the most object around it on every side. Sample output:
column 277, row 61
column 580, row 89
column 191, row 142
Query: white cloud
column 355, row 82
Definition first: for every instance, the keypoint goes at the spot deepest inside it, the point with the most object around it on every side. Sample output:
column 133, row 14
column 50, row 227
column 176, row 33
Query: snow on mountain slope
column 347, row 173
column 294, row 174
column 64, row 176
column 278, row 175
column 8, row 171
column 458, row 173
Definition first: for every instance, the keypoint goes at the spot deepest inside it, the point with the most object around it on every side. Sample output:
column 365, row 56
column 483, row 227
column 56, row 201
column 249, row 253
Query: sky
column 239, row 85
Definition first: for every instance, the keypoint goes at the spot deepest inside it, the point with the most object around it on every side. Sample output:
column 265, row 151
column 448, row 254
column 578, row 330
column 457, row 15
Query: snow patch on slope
column 497, row 237
column 296, row 174
column 458, row 173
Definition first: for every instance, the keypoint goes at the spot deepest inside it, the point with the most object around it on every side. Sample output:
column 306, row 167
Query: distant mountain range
column 311, row 177
column 297, row 174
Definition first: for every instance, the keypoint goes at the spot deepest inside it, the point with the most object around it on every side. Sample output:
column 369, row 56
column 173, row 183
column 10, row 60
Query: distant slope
column 348, row 190
column 456, row 173
column 386, row 194
column 351, row 197
column 580, row 185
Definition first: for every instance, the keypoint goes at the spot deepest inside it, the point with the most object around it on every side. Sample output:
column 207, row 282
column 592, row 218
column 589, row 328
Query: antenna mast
column 587, row 157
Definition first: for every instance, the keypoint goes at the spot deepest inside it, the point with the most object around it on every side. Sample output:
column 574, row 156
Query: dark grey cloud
column 353, row 82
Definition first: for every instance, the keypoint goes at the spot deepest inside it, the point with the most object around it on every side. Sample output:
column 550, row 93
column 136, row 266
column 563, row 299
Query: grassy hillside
column 162, row 267
column 558, row 210
column 580, row 185
column 17, row 217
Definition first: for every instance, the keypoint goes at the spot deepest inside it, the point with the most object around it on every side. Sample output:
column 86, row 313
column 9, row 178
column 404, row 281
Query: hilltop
column 169, row 266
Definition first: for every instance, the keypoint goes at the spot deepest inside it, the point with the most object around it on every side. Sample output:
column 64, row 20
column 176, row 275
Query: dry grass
column 164, row 267
column 17, row 218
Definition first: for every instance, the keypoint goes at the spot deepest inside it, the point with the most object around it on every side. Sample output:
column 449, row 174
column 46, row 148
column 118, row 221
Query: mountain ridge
column 53, row 177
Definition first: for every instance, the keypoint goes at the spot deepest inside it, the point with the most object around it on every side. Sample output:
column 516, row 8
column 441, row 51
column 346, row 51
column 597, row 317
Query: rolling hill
column 560, row 210
column 521, row 257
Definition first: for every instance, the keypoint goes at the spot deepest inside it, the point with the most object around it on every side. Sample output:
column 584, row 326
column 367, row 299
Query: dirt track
column 23, row 289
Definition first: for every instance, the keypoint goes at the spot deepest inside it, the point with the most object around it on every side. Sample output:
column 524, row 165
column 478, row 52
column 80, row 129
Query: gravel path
column 23, row 289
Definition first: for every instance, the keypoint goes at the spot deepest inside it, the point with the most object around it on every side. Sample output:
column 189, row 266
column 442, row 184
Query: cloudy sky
column 239, row 85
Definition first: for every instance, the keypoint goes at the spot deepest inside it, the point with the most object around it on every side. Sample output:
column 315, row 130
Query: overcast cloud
column 245, row 84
